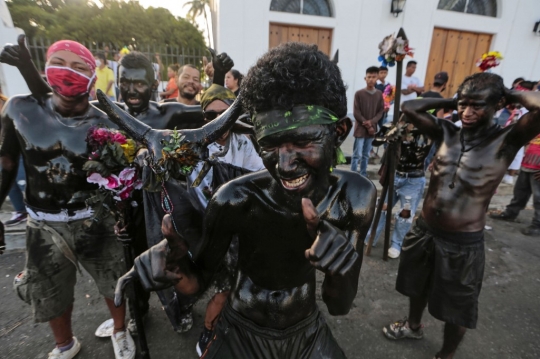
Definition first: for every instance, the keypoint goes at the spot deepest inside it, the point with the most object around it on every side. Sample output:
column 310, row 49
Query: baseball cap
column 441, row 78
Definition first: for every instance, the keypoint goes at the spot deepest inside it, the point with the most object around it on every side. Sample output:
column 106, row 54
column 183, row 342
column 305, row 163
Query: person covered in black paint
column 136, row 82
column 299, row 216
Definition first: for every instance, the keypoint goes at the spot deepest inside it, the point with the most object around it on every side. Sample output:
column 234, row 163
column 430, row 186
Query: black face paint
column 135, row 88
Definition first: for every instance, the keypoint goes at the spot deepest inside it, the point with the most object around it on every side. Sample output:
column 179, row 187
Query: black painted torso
column 276, row 283
column 53, row 148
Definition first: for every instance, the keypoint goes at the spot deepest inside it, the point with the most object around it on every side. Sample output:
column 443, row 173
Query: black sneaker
column 503, row 216
column 16, row 218
column 531, row 231
column 206, row 335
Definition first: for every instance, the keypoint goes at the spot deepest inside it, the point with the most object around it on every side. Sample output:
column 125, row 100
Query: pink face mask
column 68, row 82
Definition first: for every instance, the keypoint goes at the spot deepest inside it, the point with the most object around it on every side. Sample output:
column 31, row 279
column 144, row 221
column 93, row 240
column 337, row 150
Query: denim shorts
column 447, row 268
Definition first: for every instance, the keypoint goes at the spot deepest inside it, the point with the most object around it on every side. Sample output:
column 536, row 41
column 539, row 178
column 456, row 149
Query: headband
column 217, row 92
column 76, row 48
column 274, row 121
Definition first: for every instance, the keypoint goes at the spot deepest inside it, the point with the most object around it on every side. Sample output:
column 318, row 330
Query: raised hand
column 332, row 252
column 222, row 64
column 19, row 56
column 160, row 266
column 16, row 55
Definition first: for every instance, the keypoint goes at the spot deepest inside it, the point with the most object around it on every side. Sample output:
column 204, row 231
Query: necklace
column 464, row 149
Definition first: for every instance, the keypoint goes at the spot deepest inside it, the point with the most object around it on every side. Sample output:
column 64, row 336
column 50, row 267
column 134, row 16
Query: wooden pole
column 377, row 218
column 391, row 153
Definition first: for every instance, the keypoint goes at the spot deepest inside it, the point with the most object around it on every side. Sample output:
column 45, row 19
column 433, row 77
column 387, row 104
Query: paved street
column 507, row 328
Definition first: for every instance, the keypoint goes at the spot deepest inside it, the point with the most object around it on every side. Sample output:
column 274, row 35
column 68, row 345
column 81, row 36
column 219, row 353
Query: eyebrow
column 75, row 62
column 477, row 102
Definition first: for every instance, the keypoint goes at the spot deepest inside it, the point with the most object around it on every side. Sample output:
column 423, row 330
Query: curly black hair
column 292, row 74
column 137, row 60
column 481, row 81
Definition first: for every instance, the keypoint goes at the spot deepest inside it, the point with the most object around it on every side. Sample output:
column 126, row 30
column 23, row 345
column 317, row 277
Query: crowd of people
column 265, row 207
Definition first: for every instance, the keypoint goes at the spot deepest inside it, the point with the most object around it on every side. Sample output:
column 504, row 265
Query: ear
column 343, row 127
column 155, row 85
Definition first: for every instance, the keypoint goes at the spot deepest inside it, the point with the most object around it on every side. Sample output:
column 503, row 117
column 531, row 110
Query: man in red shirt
column 528, row 182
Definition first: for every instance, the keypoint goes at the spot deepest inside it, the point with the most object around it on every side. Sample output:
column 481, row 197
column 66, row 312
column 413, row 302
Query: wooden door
column 310, row 35
column 455, row 52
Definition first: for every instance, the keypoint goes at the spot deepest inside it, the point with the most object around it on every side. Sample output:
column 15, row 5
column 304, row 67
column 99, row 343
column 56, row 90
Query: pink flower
column 118, row 137
column 101, row 135
column 124, row 193
column 110, row 182
column 127, row 176
column 97, row 178
column 113, row 182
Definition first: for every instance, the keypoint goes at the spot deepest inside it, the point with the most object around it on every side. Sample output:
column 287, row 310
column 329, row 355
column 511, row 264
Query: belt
column 412, row 174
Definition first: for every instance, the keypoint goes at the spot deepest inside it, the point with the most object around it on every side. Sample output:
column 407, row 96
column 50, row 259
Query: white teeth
column 297, row 182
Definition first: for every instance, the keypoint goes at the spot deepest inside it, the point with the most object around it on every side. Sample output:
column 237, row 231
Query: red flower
column 118, row 137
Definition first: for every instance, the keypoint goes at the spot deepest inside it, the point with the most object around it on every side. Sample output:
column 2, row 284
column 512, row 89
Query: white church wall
column 10, row 79
column 359, row 26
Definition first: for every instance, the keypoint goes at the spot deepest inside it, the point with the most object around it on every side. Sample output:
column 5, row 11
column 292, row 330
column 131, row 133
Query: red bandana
column 76, row 48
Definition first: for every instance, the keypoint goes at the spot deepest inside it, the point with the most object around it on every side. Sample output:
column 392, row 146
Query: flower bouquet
column 388, row 96
column 393, row 49
column 489, row 60
column 110, row 165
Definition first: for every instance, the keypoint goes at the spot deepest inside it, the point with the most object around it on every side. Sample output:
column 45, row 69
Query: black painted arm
column 19, row 56
column 416, row 113
column 528, row 126
column 339, row 290
column 9, row 153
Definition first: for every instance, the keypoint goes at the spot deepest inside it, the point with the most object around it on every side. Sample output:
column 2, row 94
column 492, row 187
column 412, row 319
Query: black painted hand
column 222, row 64
column 332, row 252
column 16, row 55
column 160, row 266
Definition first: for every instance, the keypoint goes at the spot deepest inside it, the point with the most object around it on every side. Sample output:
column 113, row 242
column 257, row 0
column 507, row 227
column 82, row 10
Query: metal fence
column 169, row 54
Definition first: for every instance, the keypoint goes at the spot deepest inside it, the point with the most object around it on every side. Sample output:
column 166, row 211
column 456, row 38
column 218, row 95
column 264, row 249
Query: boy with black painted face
column 299, row 216
column 442, row 257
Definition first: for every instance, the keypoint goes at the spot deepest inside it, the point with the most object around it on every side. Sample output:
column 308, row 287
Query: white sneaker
column 393, row 253
column 123, row 345
column 68, row 354
column 105, row 329
column 508, row 179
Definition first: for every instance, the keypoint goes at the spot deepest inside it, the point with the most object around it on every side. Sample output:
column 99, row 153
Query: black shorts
column 236, row 337
column 445, row 267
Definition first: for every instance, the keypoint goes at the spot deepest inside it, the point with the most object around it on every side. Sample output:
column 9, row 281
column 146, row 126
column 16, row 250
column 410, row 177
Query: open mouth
column 296, row 183
column 134, row 101
column 467, row 122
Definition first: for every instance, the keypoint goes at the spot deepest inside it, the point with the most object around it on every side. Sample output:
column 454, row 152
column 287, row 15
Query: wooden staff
column 388, row 169
column 126, row 216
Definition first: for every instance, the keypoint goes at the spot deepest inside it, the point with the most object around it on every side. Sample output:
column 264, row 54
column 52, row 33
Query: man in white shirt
column 411, row 86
